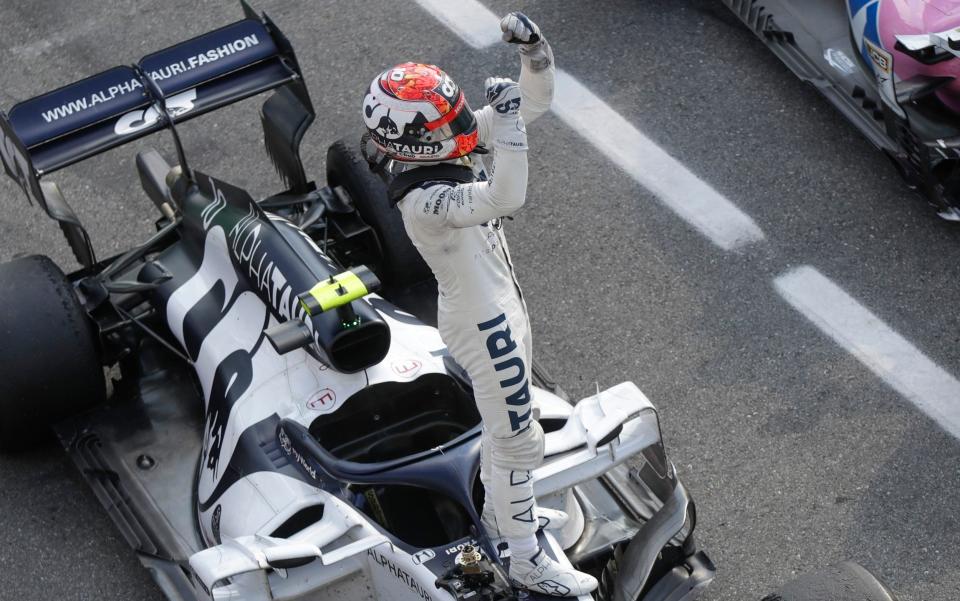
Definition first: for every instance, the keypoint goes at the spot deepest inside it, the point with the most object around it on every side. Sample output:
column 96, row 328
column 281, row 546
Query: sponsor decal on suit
column 500, row 344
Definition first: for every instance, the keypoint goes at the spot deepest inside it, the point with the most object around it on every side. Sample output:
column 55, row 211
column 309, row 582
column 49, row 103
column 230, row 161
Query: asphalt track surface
column 797, row 454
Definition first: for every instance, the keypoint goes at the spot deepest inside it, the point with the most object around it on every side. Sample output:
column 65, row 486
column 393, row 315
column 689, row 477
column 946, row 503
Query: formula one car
column 891, row 67
column 276, row 429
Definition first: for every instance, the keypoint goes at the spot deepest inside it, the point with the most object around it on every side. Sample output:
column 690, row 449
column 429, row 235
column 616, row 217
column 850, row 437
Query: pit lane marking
column 468, row 19
column 692, row 199
column 882, row 350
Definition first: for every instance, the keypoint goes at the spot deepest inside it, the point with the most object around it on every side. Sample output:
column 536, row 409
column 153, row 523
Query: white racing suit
column 482, row 315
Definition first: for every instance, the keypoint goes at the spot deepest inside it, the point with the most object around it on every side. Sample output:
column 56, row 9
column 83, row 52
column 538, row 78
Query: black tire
column 49, row 361
column 846, row 580
column 399, row 264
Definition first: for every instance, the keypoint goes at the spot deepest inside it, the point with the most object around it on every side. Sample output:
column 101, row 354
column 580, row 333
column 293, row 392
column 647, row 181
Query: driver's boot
column 542, row 574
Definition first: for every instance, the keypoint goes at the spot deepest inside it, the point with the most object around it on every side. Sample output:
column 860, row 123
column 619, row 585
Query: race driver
column 418, row 120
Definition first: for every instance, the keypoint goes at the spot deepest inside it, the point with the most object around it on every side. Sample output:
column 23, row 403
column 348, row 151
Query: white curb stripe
column 885, row 352
column 469, row 19
column 852, row 326
column 684, row 193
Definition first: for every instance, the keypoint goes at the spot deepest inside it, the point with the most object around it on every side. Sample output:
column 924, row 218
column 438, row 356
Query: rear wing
column 91, row 116
column 930, row 48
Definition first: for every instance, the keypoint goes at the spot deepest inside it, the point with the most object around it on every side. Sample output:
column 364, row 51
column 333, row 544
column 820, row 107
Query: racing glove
column 508, row 129
column 535, row 52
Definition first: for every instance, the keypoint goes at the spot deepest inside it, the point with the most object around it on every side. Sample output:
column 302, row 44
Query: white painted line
column 684, row 193
column 886, row 353
column 692, row 199
column 469, row 19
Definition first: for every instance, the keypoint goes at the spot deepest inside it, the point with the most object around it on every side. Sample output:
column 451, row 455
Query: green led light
column 350, row 324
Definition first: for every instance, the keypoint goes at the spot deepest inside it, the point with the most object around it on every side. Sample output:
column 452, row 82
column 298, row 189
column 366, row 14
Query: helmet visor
column 459, row 120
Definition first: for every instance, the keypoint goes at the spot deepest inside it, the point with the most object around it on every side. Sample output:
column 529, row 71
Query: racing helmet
column 415, row 112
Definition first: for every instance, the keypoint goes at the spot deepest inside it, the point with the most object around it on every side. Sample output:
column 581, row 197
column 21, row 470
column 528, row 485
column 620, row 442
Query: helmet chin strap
column 465, row 160
column 399, row 166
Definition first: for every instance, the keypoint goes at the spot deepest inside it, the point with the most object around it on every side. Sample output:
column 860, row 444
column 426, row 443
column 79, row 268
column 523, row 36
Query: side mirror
column 289, row 336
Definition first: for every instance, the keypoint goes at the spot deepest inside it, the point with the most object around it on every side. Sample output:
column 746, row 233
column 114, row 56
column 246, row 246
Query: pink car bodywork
column 919, row 17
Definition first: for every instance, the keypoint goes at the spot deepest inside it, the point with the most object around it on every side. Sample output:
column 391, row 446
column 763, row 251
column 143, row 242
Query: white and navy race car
column 283, row 422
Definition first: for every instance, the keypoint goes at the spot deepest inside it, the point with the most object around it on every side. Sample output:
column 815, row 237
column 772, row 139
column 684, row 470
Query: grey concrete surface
column 797, row 455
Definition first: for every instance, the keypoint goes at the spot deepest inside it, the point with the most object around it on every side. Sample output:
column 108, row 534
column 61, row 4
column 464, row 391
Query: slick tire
column 846, row 580
column 399, row 264
column 49, row 361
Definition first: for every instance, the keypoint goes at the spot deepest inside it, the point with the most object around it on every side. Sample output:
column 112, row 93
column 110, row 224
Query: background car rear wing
column 932, row 47
column 88, row 117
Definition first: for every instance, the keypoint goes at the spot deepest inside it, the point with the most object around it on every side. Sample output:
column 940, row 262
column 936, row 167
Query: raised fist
column 517, row 28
